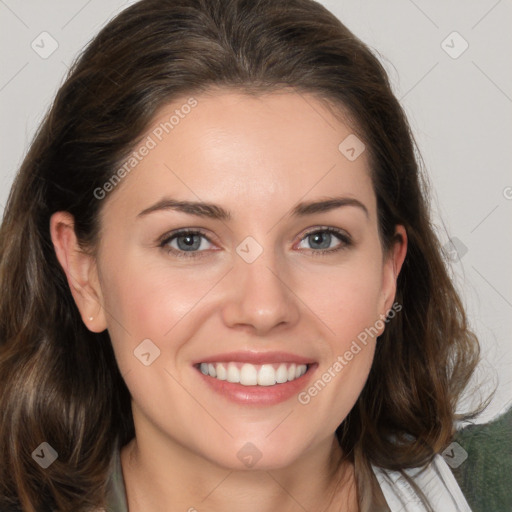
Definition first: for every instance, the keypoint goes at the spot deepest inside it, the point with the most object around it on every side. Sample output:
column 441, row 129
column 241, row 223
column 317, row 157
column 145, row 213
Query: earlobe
column 80, row 270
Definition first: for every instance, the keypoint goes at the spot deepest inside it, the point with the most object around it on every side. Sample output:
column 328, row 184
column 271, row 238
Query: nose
column 259, row 298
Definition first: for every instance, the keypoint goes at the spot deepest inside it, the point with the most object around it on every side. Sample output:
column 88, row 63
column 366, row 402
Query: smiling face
column 268, row 291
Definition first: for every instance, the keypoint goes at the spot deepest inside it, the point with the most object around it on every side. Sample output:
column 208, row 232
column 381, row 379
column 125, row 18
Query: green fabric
column 116, row 498
column 485, row 477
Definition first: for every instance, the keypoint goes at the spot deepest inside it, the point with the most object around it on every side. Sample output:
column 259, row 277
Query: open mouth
column 248, row 374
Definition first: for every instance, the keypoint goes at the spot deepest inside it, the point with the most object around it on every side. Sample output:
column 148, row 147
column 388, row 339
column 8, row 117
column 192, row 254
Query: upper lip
column 256, row 358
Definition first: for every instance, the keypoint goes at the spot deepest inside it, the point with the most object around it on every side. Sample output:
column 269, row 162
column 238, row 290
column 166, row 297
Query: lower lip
column 258, row 395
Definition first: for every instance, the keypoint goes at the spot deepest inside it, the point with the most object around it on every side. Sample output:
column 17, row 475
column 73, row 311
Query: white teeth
column 266, row 375
column 252, row 375
column 248, row 375
column 222, row 374
column 282, row 374
column 233, row 373
column 291, row 372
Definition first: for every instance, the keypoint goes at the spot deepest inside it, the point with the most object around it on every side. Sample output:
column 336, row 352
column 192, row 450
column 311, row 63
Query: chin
column 255, row 453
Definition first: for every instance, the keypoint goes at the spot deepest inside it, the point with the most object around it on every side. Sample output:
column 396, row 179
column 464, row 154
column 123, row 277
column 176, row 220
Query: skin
column 256, row 157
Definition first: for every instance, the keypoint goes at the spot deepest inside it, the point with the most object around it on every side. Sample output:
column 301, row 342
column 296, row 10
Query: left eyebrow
column 217, row 212
column 311, row 207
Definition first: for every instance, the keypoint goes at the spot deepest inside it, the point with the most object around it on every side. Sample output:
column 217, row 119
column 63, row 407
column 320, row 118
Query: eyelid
column 182, row 231
column 330, row 229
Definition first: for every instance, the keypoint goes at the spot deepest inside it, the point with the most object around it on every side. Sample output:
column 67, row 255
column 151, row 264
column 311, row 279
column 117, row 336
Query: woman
column 169, row 338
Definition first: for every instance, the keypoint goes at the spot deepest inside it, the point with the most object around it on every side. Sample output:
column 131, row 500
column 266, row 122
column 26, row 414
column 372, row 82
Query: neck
column 162, row 477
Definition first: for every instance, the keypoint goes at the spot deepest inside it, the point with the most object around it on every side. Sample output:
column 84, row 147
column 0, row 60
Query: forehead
column 244, row 150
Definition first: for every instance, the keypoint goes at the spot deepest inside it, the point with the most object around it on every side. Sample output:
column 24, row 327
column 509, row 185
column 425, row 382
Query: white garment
column 436, row 481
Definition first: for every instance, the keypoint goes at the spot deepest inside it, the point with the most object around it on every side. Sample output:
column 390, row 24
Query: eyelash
column 345, row 240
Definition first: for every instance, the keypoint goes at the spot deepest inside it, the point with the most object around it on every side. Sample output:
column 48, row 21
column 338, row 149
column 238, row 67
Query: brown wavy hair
column 60, row 383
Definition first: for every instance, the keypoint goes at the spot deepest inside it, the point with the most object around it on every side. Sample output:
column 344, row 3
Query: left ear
column 392, row 265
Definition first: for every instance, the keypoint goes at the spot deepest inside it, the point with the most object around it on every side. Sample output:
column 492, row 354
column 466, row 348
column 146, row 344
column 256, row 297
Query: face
column 259, row 287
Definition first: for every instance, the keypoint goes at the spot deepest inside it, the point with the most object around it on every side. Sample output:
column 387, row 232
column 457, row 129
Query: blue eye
column 323, row 238
column 189, row 243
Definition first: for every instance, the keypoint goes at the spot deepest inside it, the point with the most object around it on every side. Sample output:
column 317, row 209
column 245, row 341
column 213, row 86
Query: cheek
column 151, row 301
column 347, row 298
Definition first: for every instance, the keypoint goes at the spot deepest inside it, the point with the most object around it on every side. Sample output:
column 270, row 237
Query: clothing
column 116, row 500
column 437, row 482
column 485, row 475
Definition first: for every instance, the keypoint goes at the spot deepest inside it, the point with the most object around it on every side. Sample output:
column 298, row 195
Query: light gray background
column 460, row 110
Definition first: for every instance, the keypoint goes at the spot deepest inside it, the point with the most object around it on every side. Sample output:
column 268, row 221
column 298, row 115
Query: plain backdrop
column 449, row 63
